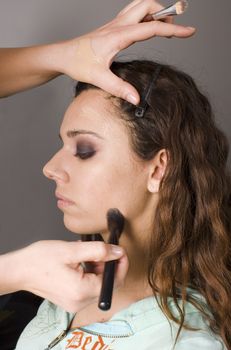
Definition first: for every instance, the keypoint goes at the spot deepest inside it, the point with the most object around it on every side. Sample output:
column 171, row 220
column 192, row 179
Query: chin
column 81, row 227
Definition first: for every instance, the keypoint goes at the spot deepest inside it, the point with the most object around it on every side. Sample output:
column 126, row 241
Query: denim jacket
column 141, row 326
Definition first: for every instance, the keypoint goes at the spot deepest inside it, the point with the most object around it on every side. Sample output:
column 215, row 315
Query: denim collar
column 137, row 316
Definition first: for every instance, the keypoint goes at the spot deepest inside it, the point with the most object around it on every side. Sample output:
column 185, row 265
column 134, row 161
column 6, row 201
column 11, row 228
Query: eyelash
column 84, row 155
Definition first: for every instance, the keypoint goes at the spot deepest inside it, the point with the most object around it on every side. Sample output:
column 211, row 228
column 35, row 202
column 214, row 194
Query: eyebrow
column 73, row 133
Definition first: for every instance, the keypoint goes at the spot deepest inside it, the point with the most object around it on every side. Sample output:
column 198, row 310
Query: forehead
column 92, row 111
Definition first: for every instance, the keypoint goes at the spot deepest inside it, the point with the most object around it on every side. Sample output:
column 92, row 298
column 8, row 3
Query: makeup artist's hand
column 53, row 270
column 87, row 58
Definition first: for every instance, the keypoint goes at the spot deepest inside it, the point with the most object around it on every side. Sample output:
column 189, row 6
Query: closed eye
column 84, row 155
column 85, row 150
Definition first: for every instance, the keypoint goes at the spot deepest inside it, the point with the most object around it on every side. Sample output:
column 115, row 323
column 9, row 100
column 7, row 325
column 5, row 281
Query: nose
column 54, row 170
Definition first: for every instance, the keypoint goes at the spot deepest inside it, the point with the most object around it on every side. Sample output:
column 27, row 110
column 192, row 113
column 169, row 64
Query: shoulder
column 45, row 326
column 154, row 321
column 199, row 340
column 202, row 336
column 49, row 317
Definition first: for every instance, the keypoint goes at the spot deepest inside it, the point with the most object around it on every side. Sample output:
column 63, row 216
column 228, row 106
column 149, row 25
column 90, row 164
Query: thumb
column 78, row 252
column 108, row 81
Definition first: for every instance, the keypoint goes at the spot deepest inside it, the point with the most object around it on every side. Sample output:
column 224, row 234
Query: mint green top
column 141, row 326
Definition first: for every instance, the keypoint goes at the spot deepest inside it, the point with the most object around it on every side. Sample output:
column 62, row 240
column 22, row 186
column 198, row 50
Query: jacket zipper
column 62, row 335
column 106, row 335
column 57, row 340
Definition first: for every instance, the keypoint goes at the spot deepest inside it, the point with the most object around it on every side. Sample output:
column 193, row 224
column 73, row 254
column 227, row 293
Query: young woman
column 164, row 166
column 86, row 58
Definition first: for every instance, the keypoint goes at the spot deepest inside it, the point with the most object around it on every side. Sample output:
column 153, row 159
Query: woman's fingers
column 147, row 30
column 53, row 270
column 120, row 38
column 168, row 19
column 116, row 86
column 92, row 283
column 88, row 282
column 138, row 12
column 90, row 56
column 128, row 7
column 91, row 251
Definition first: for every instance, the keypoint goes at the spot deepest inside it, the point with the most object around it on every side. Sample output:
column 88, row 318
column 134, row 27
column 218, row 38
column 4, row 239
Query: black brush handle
column 108, row 277
column 107, row 286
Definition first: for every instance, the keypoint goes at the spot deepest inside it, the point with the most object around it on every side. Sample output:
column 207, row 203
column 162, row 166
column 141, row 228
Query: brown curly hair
column 191, row 246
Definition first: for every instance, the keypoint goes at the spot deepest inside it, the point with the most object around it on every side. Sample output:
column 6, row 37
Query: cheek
column 101, row 187
column 113, row 186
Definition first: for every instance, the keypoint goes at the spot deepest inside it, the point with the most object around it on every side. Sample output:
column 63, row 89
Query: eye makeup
column 84, row 150
column 83, row 144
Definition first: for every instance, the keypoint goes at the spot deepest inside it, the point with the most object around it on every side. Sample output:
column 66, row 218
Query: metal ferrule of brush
column 168, row 11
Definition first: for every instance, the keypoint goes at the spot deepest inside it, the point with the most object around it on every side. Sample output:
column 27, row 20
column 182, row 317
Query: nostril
column 55, row 174
column 49, row 175
column 47, row 172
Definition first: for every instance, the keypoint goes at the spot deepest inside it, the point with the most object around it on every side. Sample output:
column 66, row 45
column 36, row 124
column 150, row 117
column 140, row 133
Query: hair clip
column 141, row 109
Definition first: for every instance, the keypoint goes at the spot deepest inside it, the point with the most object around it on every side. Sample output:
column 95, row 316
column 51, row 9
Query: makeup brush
column 176, row 9
column 115, row 221
column 92, row 237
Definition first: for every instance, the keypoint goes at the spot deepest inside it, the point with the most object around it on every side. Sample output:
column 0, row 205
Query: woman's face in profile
column 96, row 168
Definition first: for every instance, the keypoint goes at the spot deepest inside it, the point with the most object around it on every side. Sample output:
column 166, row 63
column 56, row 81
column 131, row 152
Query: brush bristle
column 115, row 220
column 181, row 6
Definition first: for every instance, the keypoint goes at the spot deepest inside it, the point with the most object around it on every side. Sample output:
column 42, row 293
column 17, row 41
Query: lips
column 63, row 200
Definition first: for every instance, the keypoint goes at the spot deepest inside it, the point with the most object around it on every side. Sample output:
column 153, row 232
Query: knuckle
column 157, row 24
column 160, row 28
column 101, row 249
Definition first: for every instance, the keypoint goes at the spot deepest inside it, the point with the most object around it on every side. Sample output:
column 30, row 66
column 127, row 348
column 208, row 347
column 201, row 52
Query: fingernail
column 132, row 99
column 116, row 250
column 191, row 28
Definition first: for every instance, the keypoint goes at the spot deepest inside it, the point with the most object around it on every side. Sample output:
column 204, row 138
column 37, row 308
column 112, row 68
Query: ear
column 157, row 169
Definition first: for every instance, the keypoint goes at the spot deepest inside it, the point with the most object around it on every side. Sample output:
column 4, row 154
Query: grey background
column 29, row 121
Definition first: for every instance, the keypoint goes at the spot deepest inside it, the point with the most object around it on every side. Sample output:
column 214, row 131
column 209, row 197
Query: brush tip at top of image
column 181, row 6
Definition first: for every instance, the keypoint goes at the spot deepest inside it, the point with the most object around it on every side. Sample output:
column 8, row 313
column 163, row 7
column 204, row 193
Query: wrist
column 68, row 60
column 11, row 273
column 58, row 57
